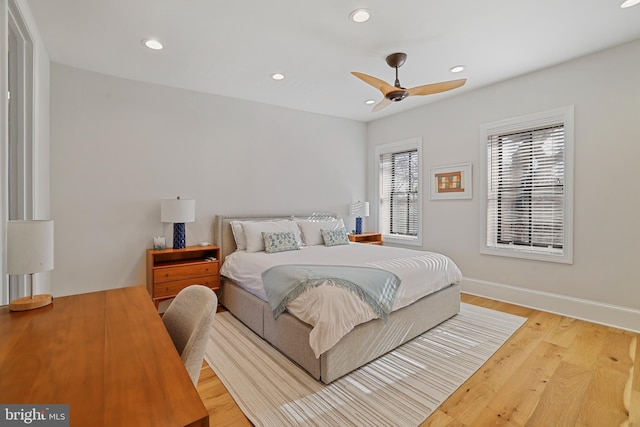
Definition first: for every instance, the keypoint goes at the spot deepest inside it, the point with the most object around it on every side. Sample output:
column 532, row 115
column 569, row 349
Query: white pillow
column 312, row 230
column 238, row 232
column 238, row 235
column 253, row 232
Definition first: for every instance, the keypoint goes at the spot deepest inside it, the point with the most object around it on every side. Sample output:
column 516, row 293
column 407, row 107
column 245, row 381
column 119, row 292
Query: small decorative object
column 29, row 251
column 178, row 211
column 451, row 182
column 159, row 243
column 361, row 209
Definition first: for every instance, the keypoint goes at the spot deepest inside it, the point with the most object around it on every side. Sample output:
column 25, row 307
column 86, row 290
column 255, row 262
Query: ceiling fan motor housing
column 397, row 95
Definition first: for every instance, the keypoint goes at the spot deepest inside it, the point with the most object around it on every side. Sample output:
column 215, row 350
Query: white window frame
column 524, row 123
column 17, row 194
column 396, row 147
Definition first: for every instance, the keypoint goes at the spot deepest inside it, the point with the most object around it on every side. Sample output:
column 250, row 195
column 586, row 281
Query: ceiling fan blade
column 436, row 87
column 381, row 85
column 380, row 105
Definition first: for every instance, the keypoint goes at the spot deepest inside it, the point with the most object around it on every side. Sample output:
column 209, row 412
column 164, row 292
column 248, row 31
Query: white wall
column 119, row 146
column 602, row 284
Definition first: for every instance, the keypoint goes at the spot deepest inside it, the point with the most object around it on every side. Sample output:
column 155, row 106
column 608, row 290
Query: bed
column 369, row 338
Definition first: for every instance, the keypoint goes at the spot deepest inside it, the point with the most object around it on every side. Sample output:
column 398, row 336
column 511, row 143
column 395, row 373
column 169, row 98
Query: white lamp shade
column 29, row 246
column 177, row 210
column 360, row 208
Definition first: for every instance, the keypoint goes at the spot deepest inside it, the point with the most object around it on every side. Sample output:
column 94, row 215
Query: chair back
column 188, row 320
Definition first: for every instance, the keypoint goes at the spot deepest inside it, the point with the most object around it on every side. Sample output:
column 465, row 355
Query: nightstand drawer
column 170, row 289
column 170, row 274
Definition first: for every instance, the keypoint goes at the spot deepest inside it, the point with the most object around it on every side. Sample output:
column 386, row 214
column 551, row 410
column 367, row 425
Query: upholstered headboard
column 223, row 235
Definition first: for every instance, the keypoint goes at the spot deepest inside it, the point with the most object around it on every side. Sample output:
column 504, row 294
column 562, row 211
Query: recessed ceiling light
column 277, row 76
column 152, row 44
column 360, row 15
column 370, row 101
column 459, row 68
column 629, row 3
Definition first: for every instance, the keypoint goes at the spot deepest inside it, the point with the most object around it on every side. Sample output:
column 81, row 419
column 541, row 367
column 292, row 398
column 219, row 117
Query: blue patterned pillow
column 335, row 237
column 279, row 241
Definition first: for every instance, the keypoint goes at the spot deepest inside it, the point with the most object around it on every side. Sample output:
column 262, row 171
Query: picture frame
column 451, row 182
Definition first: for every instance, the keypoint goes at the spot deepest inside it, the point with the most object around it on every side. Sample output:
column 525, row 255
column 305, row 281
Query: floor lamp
column 30, row 251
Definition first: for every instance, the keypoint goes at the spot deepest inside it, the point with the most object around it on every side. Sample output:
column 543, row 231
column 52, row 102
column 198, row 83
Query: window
column 400, row 191
column 528, row 193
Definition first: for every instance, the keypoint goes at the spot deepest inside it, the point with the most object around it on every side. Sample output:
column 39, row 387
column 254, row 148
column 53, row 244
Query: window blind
column 399, row 192
column 525, row 197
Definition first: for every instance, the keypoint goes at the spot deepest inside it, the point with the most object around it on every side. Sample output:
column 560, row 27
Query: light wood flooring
column 554, row 371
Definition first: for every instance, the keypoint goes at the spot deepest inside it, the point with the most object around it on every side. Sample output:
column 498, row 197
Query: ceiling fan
column 396, row 92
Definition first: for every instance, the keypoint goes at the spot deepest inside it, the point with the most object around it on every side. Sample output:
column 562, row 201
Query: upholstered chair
column 189, row 319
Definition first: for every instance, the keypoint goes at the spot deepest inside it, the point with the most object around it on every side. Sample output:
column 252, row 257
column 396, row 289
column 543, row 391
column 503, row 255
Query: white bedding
column 332, row 311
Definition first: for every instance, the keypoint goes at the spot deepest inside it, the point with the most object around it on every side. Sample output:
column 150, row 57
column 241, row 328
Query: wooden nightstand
column 369, row 238
column 171, row 270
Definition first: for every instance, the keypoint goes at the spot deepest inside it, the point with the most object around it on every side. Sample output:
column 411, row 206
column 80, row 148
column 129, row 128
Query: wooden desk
column 106, row 354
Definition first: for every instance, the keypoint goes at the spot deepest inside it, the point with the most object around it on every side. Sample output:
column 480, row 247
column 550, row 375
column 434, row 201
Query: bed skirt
column 363, row 344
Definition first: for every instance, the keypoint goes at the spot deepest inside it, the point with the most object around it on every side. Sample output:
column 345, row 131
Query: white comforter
column 332, row 311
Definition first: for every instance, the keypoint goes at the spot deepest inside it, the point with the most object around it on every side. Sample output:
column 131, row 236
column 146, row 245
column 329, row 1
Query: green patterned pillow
column 335, row 237
column 280, row 241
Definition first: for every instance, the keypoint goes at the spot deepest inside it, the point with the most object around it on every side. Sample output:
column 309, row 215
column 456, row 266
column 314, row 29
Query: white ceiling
column 232, row 47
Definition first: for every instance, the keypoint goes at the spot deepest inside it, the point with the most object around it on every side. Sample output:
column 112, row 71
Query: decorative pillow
column 335, row 237
column 280, row 241
column 253, row 232
column 312, row 230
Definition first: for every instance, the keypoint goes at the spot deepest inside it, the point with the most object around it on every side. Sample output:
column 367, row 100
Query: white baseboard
column 592, row 311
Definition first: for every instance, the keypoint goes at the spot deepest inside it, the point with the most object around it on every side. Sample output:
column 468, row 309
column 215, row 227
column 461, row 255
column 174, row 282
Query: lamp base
column 359, row 225
column 30, row 303
column 179, row 241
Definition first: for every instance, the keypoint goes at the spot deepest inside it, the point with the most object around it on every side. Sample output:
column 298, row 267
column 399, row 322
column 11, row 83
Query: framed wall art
column 451, row 182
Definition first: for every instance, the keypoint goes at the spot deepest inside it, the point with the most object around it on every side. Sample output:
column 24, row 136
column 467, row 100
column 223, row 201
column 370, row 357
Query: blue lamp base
column 179, row 241
column 358, row 225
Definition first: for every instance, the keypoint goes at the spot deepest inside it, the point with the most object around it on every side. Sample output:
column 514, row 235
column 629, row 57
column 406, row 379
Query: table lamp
column 362, row 209
column 178, row 211
column 30, row 251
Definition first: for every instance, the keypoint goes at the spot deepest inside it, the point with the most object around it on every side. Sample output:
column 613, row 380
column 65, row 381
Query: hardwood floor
column 554, row 371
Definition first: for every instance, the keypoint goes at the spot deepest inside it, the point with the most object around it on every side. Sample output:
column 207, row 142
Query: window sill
column 512, row 252
column 398, row 240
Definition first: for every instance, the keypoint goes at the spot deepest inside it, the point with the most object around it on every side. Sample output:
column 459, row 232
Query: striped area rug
column 401, row 388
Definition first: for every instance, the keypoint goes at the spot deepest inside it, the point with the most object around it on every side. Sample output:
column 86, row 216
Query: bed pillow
column 253, row 232
column 311, row 230
column 335, row 237
column 238, row 231
column 280, row 241
column 238, row 235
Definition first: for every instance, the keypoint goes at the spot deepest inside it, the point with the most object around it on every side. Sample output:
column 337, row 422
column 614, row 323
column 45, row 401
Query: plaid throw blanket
column 376, row 287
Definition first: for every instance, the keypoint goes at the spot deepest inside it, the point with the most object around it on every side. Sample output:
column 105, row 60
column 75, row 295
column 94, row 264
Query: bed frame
column 291, row 336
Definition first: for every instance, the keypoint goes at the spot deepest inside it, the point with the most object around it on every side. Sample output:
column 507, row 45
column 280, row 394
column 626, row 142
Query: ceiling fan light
column 370, row 101
column 360, row 15
column 629, row 3
column 152, row 44
column 457, row 68
column 277, row 76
